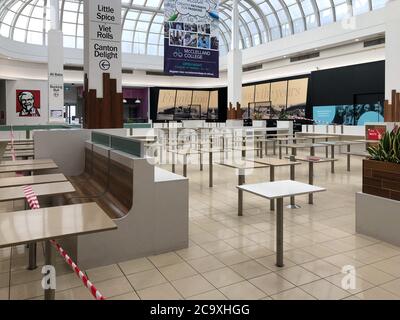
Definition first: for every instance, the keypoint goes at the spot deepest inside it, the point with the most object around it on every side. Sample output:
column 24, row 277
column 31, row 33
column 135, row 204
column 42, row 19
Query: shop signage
column 102, row 42
column 191, row 46
column 56, row 76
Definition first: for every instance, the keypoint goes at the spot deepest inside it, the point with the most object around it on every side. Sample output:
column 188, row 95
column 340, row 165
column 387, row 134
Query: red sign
column 28, row 103
column 375, row 134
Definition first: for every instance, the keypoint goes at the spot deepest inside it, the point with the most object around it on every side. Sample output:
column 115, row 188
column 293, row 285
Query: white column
column 102, row 43
column 55, row 66
column 392, row 48
column 235, row 60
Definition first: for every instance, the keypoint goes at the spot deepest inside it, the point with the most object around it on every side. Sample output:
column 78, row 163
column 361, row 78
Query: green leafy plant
column 388, row 149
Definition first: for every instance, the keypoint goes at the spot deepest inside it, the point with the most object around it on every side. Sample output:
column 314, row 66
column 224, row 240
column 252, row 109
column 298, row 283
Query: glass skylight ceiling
column 261, row 21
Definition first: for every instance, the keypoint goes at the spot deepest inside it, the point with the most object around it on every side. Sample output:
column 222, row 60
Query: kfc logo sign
column 28, row 103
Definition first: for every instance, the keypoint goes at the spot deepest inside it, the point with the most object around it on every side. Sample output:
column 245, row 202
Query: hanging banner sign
column 191, row 45
column 103, row 30
column 56, row 77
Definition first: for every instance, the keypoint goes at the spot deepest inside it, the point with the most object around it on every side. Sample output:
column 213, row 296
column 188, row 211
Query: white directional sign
column 56, row 76
column 102, row 20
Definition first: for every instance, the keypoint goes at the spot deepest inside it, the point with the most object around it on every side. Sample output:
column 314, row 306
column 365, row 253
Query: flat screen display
column 358, row 114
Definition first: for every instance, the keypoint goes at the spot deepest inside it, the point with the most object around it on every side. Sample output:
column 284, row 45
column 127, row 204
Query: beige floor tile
column 377, row 294
column 114, row 287
column 104, row 273
column 256, row 251
column 239, row 242
column 231, row 257
column 320, row 251
column 192, row 252
column 126, row 296
column 242, row 291
column 392, row 286
column 177, row 271
column 4, row 266
column 250, row 269
column 321, row 268
column 192, row 286
column 204, row 237
column 216, row 246
column 271, row 283
column 299, row 256
column 341, row 260
column 360, row 284
column 68, row 281
column 136, row 265
column 298, row 275
column 4, row 280
column 146, row 279
column 165, row 259
column 78, row 293
column 384, row 250
column 222, row 277
column 324, row 290
column 388, row 266
column 4, row 294
column 292, row 294
column 160, row 292
column 270, row 263
column 205, row 264
column 373, row 275
column 210, row 295
column 26, row 290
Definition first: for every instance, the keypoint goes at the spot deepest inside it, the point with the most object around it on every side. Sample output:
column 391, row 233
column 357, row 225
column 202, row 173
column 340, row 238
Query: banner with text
column 56, row 76
column 191, row 44
column 102, row 42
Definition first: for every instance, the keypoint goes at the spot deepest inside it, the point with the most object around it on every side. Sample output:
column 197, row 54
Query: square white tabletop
column 51, row 223
column 280, row 189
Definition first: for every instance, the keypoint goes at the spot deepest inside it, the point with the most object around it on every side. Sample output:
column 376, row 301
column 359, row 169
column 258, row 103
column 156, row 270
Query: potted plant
column 381, row 172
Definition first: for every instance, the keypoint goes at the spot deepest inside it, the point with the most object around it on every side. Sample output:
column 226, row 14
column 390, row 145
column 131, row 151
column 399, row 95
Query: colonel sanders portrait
column 27, row 108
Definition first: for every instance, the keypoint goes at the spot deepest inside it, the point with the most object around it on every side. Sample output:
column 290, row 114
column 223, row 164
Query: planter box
column 381, row 179
column 378, row 218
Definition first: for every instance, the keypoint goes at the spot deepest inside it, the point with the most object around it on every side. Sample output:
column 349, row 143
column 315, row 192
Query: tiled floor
column 232, row 257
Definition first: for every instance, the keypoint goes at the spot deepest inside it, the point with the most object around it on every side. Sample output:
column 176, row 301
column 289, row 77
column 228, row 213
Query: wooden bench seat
column 105, row 182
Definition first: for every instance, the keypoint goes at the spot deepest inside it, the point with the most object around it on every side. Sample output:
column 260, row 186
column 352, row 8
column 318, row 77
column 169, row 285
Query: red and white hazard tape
column 95, row 293
column 31, row 197
column 34, row 204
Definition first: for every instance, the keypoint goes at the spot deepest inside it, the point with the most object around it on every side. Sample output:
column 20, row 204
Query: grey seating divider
column 124, row 144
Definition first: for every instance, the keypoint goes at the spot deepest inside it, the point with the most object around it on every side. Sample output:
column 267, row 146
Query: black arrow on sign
column 104, row 65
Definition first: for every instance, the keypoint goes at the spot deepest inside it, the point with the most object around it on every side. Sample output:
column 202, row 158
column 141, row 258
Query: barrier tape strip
column 95, row 293
column 34, row 204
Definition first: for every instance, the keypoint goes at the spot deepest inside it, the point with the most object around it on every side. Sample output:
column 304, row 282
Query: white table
column 334, row 144
column 279, row 190
column 30, row 226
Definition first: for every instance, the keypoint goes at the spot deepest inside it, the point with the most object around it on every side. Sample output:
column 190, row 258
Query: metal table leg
column 272, row 178
column 280, row 149
column 311, row 176
column 210, row 170
column 293, row 204
column 348, row 157
column 49, row 293
column 173, row 162
column 332, row 157
column 32, row 255
column 326, row 149
column 185, row 165
column 266, row 147
column 274, row 146
column 279, row 232
column 240, row 192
